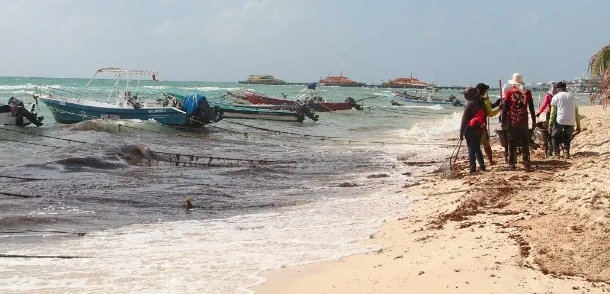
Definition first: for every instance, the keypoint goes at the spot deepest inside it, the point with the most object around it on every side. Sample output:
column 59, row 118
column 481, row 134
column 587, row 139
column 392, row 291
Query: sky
column 445, row 42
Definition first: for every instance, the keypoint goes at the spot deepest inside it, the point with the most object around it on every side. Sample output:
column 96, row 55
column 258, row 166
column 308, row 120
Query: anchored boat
column 264, row 112
column 309, row 96
column 398, row 98
column 121, row 104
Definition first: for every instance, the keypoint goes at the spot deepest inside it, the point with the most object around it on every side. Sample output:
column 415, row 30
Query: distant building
column 584, row 85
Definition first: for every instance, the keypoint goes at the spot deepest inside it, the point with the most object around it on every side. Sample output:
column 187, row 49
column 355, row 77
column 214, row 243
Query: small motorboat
column 295, row 113
column 121, row 104
column 397, row 97
column 309, row 96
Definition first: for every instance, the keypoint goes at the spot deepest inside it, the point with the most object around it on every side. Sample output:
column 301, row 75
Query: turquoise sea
column 122, row 220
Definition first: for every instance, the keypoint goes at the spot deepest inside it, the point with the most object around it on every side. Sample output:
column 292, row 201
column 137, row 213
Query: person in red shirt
column 546, row 103
column 517, row 100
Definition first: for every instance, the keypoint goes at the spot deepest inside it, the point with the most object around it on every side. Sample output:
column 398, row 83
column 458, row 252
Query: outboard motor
column 198, row 109
column 20, row 112
column 15, row 102
column 305, row 110
column 353, row 103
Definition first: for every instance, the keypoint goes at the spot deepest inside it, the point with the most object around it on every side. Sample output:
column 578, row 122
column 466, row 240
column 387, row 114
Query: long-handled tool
column 505, row 133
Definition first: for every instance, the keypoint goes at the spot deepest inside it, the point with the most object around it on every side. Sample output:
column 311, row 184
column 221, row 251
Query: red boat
column 314, row 103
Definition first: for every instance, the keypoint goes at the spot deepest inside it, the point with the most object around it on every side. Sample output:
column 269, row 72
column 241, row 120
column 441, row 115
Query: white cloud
column 433, row 32
column 162, row 29
column 254, row 20
column 528, row 22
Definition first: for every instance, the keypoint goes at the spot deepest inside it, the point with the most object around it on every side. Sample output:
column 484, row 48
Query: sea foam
column 210, row 256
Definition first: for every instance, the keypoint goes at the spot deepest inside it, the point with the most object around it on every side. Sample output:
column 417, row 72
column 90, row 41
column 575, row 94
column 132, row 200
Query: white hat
column 517, row 79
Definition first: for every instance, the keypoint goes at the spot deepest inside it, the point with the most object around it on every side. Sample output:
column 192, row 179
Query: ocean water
column 119, row 224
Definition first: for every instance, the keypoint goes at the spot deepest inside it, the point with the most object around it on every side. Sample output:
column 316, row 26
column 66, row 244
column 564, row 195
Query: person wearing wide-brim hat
column 517, row 100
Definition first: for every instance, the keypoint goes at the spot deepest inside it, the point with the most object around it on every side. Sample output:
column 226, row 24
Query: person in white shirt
column 564, row 116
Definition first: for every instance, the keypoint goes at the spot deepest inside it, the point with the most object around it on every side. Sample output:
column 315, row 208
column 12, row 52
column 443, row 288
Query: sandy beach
column 546, row 231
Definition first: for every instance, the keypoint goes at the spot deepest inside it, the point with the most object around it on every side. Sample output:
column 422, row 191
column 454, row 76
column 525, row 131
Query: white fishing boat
column 122, row 105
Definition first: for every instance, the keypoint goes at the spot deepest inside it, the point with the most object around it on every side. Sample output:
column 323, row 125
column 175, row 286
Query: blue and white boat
column 122, row 105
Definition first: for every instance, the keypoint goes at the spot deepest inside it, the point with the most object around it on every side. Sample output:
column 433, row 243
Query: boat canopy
column 118, row 70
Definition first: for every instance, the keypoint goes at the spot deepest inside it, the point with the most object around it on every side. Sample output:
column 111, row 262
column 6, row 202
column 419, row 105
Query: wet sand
column 546, row 231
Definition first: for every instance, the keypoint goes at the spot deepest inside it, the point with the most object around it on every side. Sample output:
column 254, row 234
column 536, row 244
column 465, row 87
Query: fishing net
column 448, row 167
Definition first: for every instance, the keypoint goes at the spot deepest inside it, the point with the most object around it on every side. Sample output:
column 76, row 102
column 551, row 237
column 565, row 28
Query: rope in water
column 42, row 231
column 44, row 136
column 174, row 154
column 337, row 139
column 22, row 178
column 218, row 158
column 30, row 143
column 19, row 195
column 41, row 256
column 246, row 134
column 166, row 133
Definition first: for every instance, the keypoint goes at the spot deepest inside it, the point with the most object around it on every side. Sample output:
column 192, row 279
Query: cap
column 482, row 87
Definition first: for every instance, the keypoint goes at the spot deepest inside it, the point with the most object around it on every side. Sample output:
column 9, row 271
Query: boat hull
column 233, row 114
column 71, row 111
column 319, row 106
column 407, row 98
column 344, row 84
column 266, row 113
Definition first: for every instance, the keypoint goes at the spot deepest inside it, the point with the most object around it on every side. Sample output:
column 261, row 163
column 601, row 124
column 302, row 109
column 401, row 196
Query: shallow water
column 313, row 203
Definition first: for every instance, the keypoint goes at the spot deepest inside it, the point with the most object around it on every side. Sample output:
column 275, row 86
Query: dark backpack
column 517, row 113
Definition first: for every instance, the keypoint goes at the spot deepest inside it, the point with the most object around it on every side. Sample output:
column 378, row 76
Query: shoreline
column 499, row 231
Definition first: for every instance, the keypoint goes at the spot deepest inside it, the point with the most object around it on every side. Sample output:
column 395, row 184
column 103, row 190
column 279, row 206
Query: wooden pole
column 505, row 132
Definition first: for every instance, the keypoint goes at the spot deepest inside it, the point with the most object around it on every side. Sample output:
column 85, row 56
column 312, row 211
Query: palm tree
column 599, row 66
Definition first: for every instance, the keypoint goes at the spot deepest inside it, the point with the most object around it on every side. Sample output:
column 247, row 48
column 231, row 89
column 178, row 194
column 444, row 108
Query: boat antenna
column 350, row 50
